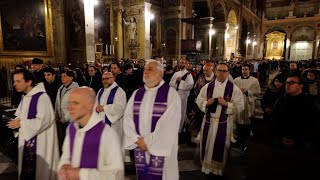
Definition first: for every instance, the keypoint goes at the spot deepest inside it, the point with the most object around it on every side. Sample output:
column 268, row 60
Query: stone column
column 317, row 48
column 147, row 52
column 89, row 30
column 157, row 40
column 112, row 28
column 119, row 43
column 60, row 34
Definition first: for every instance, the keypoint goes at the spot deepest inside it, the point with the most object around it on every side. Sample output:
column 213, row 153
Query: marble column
column 119, row 43
column 89, row 30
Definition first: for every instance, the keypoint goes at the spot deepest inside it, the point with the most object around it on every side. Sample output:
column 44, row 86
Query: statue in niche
column 227, row 26
column 292, row 6
column 132, row 29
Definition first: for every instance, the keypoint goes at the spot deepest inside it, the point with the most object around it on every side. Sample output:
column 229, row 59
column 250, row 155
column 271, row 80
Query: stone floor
column 188, row 165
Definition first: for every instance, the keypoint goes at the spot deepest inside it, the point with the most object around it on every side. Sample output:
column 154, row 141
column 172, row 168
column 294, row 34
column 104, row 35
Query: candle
column 113, row 49
column 110, row 50
column 106, row 49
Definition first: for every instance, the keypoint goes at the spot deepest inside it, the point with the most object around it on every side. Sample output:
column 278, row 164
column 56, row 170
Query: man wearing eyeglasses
column 110, row 104
column 219, row 99
column 295, row 124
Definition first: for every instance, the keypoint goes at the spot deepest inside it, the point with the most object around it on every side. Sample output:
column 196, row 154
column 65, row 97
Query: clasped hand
column 13, row 124
column 221, row 101
column 243, row 90
column 178, row 80
column 99, row 108
column 141, row 144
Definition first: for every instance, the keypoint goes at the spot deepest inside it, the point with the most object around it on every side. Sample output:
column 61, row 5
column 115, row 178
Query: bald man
column 111, row 102
column 91, row 149
column 203, row 79
column 151, row 124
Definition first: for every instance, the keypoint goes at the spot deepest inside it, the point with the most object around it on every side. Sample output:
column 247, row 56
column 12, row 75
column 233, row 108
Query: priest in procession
column 35, row 125
column 151, row 126
column 91, row 149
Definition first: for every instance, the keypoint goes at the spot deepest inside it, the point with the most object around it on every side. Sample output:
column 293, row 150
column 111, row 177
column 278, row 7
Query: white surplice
column 113, row 111
column 110, row 162
column 163, row 141
column 234, row 106
column 253, row 86
column 44, row 127
column 184, row 90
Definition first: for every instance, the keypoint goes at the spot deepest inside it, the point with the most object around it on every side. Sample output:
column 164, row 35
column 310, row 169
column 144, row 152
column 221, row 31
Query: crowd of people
column 84, row 123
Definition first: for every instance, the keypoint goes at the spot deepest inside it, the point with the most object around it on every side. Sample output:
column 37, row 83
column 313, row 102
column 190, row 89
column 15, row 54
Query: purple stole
column 29, row 159
column 90, row 147
column 109, row 101
column 218, row 149
column 184, row 77
column 153, row 170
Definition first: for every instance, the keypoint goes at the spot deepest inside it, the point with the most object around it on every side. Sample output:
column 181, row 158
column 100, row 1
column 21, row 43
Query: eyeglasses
column 222, row 71
column 291, row 83
column 107, row 78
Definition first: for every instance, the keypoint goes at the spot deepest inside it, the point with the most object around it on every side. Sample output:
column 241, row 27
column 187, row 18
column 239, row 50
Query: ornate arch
column 303, row 33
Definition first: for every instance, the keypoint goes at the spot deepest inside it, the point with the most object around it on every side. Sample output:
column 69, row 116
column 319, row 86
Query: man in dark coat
column 295, row 124
column 37, row 66
column 52, row 84
column 93, row 80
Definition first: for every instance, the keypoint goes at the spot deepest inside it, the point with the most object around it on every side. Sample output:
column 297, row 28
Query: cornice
column 291, row 20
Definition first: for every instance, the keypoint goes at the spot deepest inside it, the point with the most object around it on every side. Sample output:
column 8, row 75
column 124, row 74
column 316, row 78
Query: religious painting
column 76, row 24
column 101, row 23
column 134, row 55
column 275, row 45
column 25, row 28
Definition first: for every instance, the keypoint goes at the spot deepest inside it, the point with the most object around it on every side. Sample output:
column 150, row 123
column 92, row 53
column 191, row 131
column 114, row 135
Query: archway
column 201, row 30
column 219, row 25
column 275, row 44
column 302, row 43
column 231, row 35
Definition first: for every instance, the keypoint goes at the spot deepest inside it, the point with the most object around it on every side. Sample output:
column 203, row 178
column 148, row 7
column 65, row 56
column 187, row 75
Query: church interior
column 75, row 33
column 82, row 31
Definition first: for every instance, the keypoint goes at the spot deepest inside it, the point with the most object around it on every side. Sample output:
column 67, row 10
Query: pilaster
column 89, row 30
column 119, row 42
